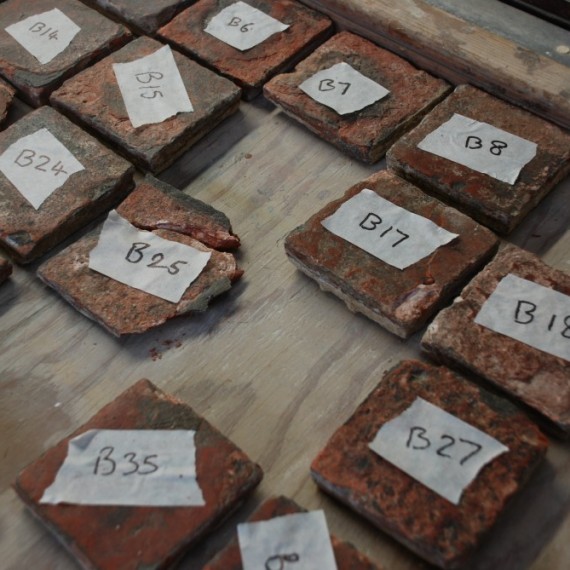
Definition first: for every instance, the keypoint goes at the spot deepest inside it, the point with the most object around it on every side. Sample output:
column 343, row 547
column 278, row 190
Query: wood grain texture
column 459, row 51
column 276, row 365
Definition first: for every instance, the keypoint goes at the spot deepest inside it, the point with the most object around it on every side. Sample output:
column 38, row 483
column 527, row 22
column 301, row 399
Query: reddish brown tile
column 6, row 97
column 111, row 537
column 250, row 69
column 497, row 204
column 5, row 270
column 434, row 528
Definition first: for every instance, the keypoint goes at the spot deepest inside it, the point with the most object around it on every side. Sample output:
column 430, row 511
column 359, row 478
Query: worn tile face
column 532, row 375
column 474, row 178
column 443, row 533
column 127, row 537
column 401, row 300
column 94, row 99
column 250, row 68
column 86, row 178
column 95, row 37
column 144, row 17
column 123, row 309
column 367, row 132
column 346, row 555
column 6, row 97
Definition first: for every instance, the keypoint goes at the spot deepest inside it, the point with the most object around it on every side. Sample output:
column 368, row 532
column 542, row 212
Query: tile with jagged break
column 28, row 167
column 493, row 161
column 93, row 99
column 92, row 37
column 250, row 68
column 400, row 300
column 5, row 269
column 441, row 531
column 367, row 127
column 6, row 97
column 529, row 360
column 108, row 537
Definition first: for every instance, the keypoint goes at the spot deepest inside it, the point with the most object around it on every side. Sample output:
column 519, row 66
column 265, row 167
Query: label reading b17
column 387, row 231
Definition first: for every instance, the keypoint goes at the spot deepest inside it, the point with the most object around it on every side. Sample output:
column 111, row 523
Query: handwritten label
column 242, row 26
column 297, row 541
column 343, row 88
column 481, row 146
column 530, row 313
column 45, row 35
column 152, row 88
column 436, row 448
column 37, row 165
column 386, row 231
column 128, row 467
column 146, row 261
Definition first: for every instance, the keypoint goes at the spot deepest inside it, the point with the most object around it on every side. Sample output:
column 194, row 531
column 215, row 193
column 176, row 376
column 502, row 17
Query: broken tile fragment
column 97, row 36
column 400, row 300
column 485, row 196
column 93, row 99
column 252, row 67
column 537, row 378
column 28, row 232
column 439, row 531
column 346, row 555
column 6, row 97
column 368, row 132
column 128, row 537
column 5, row 270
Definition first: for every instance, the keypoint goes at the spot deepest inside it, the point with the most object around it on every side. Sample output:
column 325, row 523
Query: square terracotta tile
column 539, row 379
column 97, row 37
column 27, row 232
column 6, row 97
column 365, row 133
column 127, row 537
column 122, row 309
column 93, row 99
column 400, row 300
column 497, row 203
column 250, row 68
column 443, row 533
column 346, row 555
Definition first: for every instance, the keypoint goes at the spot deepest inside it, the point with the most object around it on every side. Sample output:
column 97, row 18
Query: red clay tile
column 497, row 204
column 250, row 69
column 27, row 232
column 368, row 133
column 6, row 96
column 5, row 269
column 434, row 528
column 401, row 301
column 539, row 379
column 34, row 80
column 112, row 537
column 93, row 99
column 346, row 555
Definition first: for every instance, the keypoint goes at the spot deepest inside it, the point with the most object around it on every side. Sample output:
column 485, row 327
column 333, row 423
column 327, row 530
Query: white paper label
column 242, row 26
column 297, row 541
column 343, row 89
column 531, row 313
column 481, row 146
column 45, row 35
column 152, row 88
column 386, row 231
column 37, row 165
column 128, row 467
column 146, row 261
column 437, row 449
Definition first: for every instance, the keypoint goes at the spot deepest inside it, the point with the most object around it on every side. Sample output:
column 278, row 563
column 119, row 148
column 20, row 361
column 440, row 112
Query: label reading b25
column 136, row 255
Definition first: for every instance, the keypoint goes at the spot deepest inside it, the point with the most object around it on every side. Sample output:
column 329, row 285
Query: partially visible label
column 436, row 448
column 481, row 146
column 128, row 467
column 152, row 88
column 530, row 313
column 343, row 88
column 45, row 35
column 297, row 541
column 146, row 261
column 386, row 231
column 37, row 165
column 242, row 26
